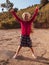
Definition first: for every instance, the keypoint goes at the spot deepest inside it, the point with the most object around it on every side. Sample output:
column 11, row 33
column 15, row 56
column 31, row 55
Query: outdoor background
column 10, row 32
column 7, row 21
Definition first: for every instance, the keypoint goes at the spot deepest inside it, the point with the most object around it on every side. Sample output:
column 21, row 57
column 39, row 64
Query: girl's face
column 26, row 17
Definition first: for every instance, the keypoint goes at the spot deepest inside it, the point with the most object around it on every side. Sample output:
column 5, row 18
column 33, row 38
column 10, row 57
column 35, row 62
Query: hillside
column 42, row 20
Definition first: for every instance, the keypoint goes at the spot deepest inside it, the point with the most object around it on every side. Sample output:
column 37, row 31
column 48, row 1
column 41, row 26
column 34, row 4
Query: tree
column 44, row 1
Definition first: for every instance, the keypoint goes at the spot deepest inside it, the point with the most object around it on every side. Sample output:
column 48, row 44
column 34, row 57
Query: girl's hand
column 37, row 9
column 15, row 9
column 11, row 10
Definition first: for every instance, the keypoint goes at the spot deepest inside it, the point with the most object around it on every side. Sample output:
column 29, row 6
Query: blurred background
column 7, row 21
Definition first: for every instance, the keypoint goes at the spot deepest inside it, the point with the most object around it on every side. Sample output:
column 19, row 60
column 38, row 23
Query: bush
column 15, row 24
column 6, row 25
column 10, row 24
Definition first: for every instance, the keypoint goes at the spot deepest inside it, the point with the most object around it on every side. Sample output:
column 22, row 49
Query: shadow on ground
column 40, row 59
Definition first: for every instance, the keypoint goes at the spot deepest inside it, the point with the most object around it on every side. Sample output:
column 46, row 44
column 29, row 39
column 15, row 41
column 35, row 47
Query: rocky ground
column 9, row 41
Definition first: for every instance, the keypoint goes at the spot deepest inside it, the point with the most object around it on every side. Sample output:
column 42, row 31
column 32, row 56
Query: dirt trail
column 9, row 41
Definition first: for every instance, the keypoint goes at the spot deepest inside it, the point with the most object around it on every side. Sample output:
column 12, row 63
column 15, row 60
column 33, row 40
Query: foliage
column 8, row 21
column 44, row 1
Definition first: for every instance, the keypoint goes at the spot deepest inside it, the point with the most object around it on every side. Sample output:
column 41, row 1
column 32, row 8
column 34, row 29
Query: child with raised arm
column 25, row 29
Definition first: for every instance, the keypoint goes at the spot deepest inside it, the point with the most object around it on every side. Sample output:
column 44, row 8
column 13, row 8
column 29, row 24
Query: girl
column 25, row 30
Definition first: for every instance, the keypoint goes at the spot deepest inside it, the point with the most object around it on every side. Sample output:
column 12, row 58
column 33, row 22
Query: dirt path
column 9, row 41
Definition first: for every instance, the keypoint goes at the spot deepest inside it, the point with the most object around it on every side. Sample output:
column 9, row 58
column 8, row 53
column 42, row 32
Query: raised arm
column 14, row 13
column 34, row 15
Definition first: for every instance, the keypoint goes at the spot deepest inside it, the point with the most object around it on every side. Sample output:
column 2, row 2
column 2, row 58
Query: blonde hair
column 23, row 15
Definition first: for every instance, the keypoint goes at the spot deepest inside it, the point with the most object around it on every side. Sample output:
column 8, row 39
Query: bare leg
column 17, row 52
column 32, row 50
column 32, row 53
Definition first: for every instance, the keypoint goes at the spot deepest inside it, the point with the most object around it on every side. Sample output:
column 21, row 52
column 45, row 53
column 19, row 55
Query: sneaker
column 34, row 56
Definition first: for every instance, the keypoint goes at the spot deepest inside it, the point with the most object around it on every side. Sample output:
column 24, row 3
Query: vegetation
column 42, row 20
column 44, row 1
